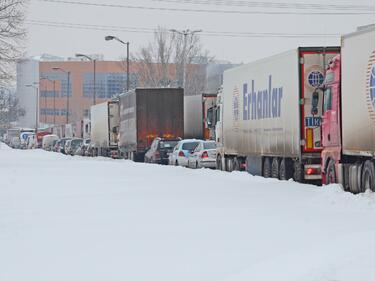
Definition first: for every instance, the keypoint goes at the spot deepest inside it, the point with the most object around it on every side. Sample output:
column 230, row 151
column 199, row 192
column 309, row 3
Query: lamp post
column 94, row 62
column 45, row 99
column 37, row 104
column 109, row 38
column 67, row 91
column 185, row 33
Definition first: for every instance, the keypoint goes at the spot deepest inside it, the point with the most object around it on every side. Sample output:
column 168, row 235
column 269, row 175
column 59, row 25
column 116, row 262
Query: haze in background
column 64, row 41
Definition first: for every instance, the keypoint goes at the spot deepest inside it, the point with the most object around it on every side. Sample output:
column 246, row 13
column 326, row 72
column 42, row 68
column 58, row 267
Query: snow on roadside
column 75, row 218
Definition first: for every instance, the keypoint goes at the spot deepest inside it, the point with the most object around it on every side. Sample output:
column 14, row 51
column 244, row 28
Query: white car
column 182, row 151
column 48, row 140
column 203, row 156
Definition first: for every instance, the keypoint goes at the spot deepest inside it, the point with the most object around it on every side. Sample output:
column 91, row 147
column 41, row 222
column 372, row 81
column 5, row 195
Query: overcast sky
column 63, row 41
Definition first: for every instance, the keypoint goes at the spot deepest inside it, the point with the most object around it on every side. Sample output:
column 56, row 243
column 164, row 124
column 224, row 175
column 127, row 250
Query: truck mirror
column 314, row 103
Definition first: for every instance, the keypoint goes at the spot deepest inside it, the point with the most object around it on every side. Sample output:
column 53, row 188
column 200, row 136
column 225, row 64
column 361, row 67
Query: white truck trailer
column 265, row 119
column 105, row 122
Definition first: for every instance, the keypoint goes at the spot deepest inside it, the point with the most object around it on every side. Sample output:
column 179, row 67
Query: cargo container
column 147, row 113
column 349, row 114
column 265, row 122
column 105, row 121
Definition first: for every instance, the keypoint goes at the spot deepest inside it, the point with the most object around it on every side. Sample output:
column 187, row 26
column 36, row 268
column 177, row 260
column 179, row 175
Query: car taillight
column 204, row 154
column 157, row 153
column 181, row 154
column 312, row 171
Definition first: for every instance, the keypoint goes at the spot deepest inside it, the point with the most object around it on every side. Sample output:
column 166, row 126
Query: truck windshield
column 327, row 99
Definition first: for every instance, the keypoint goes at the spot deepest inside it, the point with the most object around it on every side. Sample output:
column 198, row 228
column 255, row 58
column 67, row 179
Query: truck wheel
column 286, row 170
column 236, row 164
column 196, row 165
column 176, row 163
column 298, row 174
column 355, row 173
column 368, row 176
column 275, row 168
column 267, row 167
column 219, row 165
column 331, row 172
column 229, row 164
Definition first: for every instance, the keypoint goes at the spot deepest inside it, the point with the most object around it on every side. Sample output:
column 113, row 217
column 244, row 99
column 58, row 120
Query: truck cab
column 331, row 124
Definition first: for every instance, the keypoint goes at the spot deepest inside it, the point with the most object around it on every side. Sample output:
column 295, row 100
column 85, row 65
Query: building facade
column 65, row 89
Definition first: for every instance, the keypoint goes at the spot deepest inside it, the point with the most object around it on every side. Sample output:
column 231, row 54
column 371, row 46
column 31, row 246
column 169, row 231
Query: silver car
column 203, row 156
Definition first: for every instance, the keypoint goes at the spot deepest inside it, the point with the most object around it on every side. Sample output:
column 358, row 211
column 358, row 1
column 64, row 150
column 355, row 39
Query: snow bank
column 75, row 218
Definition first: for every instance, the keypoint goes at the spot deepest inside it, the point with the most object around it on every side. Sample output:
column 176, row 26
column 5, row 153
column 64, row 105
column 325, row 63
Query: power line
column 275, row 5
column 152, row 30
column 212, row 11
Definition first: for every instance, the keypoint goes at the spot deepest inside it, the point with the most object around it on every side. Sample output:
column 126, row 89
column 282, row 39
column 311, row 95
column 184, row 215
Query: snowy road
column 81, row 219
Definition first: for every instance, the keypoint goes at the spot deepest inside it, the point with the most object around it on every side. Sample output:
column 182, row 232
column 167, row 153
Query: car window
column 167, row 144
column 209, row 145
column 189, row 145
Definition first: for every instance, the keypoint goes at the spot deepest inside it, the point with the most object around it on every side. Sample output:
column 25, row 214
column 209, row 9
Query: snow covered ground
column 68, row 218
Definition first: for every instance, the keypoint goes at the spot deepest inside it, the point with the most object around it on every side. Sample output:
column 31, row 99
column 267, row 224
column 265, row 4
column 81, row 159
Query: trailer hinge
column 302, row 101
column 302, row 60
column 302, row 142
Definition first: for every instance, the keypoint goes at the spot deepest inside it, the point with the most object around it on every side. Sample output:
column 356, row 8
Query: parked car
column 47, row 141
column 15, row 142
column 160, row 150
column 83, row 148
column 72, row 145
column 182, row 151
column 203, row 156
column 61, row 145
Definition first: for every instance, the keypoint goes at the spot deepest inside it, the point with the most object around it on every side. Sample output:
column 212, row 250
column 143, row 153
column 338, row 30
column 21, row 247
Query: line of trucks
column 306, row 114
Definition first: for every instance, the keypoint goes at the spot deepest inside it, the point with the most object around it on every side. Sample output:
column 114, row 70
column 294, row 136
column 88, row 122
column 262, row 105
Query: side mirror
column 314, row 103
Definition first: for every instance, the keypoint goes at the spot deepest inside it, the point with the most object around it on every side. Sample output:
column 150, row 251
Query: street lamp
column 109, row 38
column 185, row 33
column 37, row 104
column 54, row 99
column 94, row 62
column 67, row 91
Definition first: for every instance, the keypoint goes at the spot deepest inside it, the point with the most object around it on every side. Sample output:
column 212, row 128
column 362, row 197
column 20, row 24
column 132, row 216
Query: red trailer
column 147, row 113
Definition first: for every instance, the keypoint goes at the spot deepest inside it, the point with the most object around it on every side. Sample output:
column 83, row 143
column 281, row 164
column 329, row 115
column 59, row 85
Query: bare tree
column 160, row 64
column 11, row 35
column 10, row 110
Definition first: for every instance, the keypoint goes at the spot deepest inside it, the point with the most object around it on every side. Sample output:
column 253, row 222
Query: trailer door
column 312, row 76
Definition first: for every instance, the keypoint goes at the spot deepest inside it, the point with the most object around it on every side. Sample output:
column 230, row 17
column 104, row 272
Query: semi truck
column 348, row 126
column 265, row 119
column 147, row 113
column 105, row 122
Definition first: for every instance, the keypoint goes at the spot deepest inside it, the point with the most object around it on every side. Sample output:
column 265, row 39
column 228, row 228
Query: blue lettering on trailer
column 261, row 104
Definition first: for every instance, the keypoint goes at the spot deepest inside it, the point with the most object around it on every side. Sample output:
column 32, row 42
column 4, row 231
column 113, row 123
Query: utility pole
column 67, row 91
column 94, row 63
column 54, row 102
column 185, row 33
